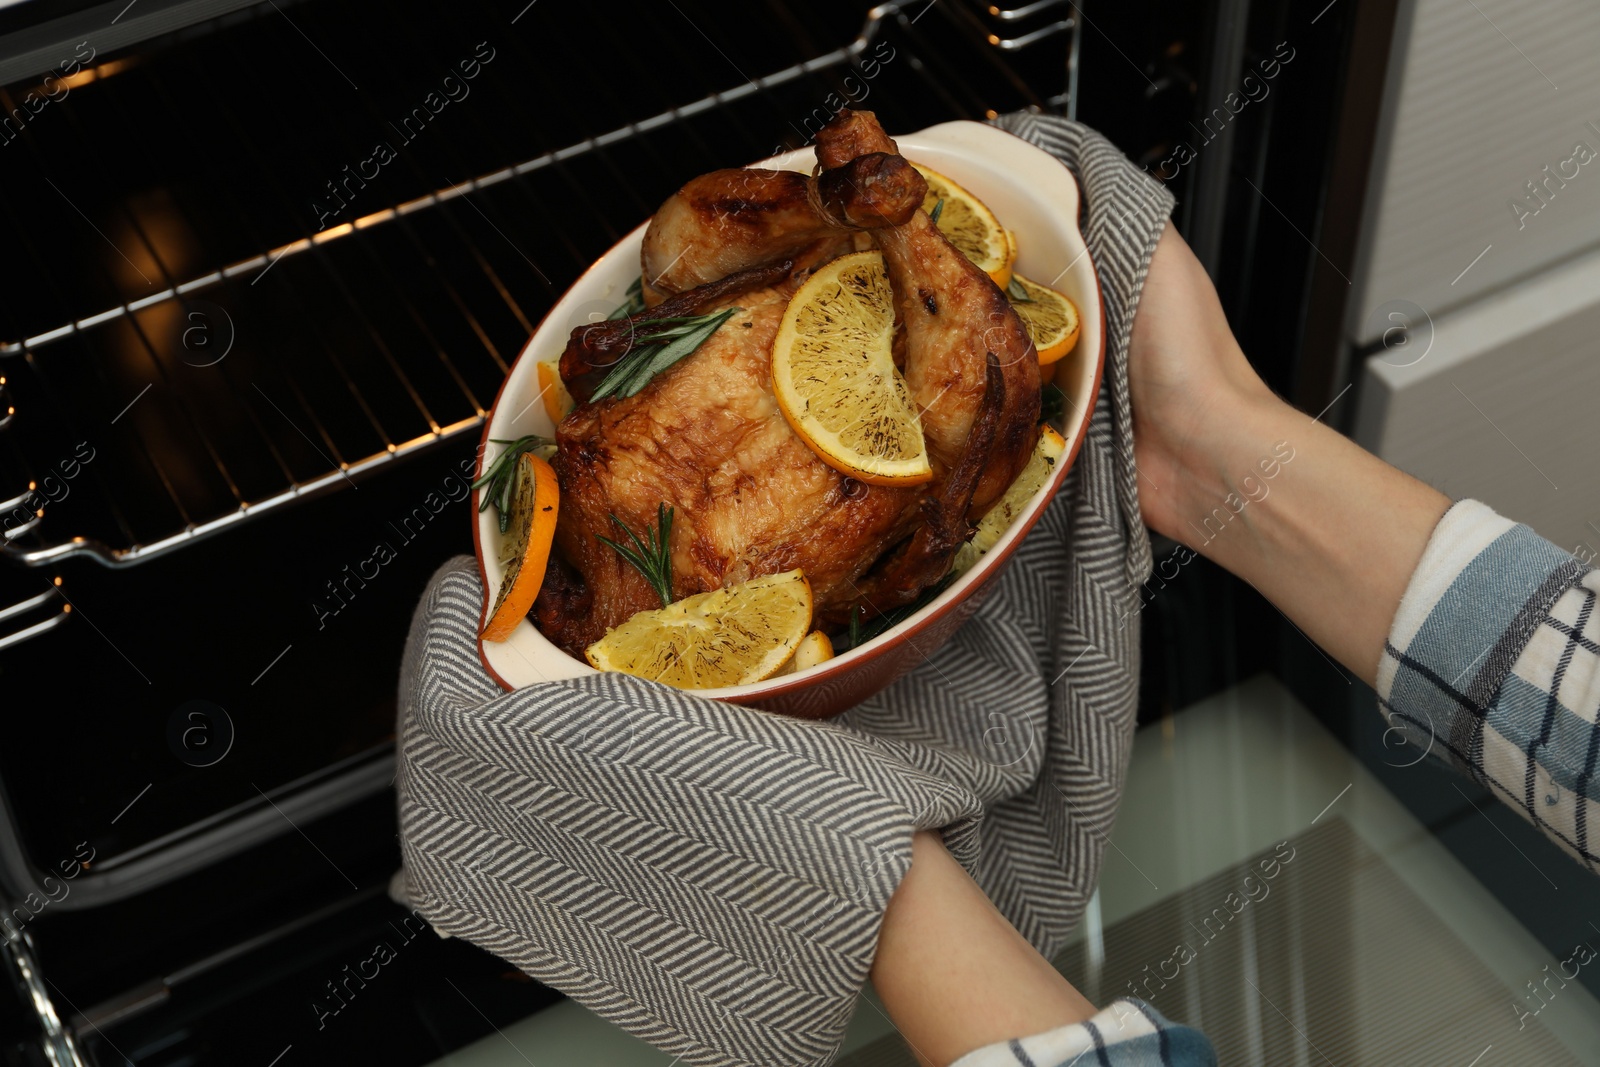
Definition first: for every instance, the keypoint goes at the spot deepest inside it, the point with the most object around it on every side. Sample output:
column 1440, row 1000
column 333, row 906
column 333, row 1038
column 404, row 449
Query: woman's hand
column 1326, row 531
column 1188, row 378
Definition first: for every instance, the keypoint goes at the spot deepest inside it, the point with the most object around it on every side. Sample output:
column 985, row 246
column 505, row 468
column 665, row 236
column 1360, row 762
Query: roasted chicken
column 706, row 438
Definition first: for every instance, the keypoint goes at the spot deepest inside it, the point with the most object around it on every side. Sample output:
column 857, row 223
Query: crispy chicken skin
column 593, row 349
column 706, row 436
column 751, row 498
column 731, row 220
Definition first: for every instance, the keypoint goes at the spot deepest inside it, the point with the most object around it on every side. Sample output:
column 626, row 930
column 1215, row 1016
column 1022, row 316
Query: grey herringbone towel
column 712, row 877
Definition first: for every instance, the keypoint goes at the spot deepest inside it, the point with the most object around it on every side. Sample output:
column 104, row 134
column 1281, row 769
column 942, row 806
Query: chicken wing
column 731, row 220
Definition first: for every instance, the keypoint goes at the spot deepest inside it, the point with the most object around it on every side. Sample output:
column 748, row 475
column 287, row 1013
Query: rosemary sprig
column 634, row 302
column 650, row 555
column 1016, row 292
column 938, row 209
column 860, row 632
column 658, row 345
column 500, row 476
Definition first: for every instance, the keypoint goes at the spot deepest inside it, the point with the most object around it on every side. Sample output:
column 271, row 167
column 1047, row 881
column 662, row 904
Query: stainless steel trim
column 16, row 637
column 1017, row 44
column 56, row 1040
column 862, row 41
column 1025, row 11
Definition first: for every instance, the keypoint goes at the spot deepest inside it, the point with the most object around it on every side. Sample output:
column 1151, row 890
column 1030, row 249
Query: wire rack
column 222, row 393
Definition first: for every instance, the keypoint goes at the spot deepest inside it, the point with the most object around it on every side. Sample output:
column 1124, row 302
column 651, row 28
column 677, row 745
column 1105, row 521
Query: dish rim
column 966, row 585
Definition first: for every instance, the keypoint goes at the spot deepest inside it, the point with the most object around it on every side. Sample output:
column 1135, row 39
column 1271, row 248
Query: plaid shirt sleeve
column 1493, row 664
column 1125, row 1033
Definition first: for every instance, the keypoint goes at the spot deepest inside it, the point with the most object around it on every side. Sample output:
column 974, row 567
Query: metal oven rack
column 258, row 365
column 210, row 451
column 224, row 358
column 327, row 357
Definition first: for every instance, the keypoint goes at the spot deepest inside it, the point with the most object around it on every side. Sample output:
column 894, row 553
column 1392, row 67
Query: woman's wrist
column 1205, row 441
column 953, row 973
column 1233, row 463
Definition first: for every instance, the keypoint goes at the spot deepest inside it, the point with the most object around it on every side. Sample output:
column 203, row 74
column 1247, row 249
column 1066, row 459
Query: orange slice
column 834, row 376
column 732, row 636
column 534, row 506
column 1051, row 318
column 558, row 403
column 1001, row 514
column 814, row 649
column 969, row 225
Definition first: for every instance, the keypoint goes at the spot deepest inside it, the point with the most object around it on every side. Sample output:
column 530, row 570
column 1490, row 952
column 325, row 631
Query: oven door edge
column 55, row 1040
column 41, row 43
column 201, row 844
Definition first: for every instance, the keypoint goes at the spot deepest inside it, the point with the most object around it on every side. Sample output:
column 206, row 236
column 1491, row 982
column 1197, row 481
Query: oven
column 264, row 267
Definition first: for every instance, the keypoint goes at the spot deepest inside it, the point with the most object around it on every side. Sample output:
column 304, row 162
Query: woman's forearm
column 1322, row 528
column 1326, row 531
column 953, row 973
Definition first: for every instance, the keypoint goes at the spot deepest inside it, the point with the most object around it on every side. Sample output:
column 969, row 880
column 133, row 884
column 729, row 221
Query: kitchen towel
column 711, row 877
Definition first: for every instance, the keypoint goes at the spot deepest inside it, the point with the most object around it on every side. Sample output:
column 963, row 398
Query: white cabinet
column 1484, row 216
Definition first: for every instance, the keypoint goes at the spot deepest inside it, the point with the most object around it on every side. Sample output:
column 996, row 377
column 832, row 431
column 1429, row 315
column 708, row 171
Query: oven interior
column 218, row 319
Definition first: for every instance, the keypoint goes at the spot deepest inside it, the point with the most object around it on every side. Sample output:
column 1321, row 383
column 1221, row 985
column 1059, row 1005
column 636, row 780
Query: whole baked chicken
column 706, row 437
